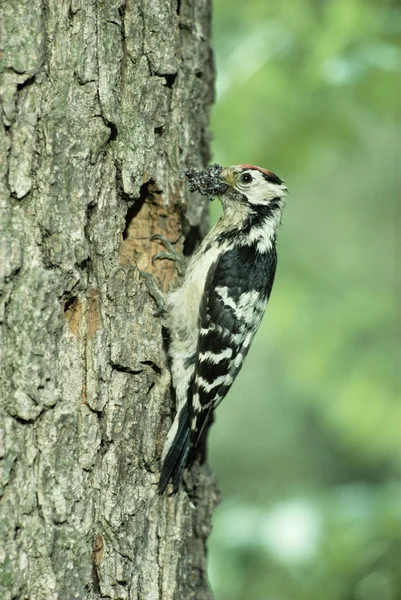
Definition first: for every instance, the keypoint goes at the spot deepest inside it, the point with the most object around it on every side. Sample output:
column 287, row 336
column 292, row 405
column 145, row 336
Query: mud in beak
column 211, row 182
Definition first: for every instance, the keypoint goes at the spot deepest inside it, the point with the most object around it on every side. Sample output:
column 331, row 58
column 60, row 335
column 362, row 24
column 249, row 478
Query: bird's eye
column 246, row 178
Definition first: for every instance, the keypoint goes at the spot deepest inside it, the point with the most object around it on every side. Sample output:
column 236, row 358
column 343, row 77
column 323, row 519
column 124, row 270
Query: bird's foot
column 170, row 253
column 154, row 291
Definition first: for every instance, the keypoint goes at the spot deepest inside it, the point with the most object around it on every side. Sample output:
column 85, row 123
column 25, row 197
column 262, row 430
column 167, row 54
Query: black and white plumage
column 216, row 312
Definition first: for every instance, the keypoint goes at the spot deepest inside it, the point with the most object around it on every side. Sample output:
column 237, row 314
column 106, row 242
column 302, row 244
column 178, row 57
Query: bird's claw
column 166, row 243
column 161, row 255
column 154, row 291
column 170, row 253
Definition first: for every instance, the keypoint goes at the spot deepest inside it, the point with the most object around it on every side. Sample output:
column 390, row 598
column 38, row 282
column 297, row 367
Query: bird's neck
column 248, row 226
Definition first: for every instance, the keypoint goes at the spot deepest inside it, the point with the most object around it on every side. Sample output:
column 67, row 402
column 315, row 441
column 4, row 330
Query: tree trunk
column 103, row 104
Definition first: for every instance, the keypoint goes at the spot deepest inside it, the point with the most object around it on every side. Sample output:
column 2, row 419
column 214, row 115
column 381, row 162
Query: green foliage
column 310, row 89
column 344, row 544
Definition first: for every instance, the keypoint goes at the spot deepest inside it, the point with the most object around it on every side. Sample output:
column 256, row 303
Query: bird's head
column 248, row 185
column 253, row 185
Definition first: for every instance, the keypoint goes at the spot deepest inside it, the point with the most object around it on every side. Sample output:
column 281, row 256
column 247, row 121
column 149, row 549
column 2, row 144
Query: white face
column 254, row 184
column 256, row 188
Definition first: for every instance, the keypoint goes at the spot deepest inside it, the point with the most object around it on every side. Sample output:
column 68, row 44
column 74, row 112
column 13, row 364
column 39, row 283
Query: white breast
column 183, row 304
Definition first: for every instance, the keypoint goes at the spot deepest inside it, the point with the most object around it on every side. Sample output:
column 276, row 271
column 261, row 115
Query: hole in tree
column 113, row 130
column 26, row 83
column 70, row 303
column 170, row 79
column 136, row 206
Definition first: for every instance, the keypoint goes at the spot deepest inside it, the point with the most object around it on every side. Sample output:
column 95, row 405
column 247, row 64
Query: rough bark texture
column 103, row 104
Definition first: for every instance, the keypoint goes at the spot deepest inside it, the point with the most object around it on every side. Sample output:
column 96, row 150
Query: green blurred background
column 306, row 447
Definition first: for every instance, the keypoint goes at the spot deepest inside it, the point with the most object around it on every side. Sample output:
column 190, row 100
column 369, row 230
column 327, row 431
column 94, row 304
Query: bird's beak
column 227, row 175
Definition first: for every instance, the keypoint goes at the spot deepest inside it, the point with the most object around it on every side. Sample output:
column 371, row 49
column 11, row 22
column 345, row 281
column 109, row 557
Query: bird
column 214, row 314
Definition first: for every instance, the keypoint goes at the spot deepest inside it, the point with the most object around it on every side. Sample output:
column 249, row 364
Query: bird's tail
column 176, row 450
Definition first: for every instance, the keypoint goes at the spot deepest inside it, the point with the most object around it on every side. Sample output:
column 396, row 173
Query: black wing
column 236, row 291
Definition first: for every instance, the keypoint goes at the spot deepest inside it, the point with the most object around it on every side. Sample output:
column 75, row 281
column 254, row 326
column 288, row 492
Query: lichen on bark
column 103, row 104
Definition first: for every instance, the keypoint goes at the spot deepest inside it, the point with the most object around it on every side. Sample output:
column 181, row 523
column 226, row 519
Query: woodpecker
column 214, row 315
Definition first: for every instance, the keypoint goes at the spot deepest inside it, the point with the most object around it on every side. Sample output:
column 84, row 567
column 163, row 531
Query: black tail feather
column 181, row 463
column 176, row 458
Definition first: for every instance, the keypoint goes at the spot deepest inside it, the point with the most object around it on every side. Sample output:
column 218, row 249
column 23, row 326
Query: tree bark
column 104, row 102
